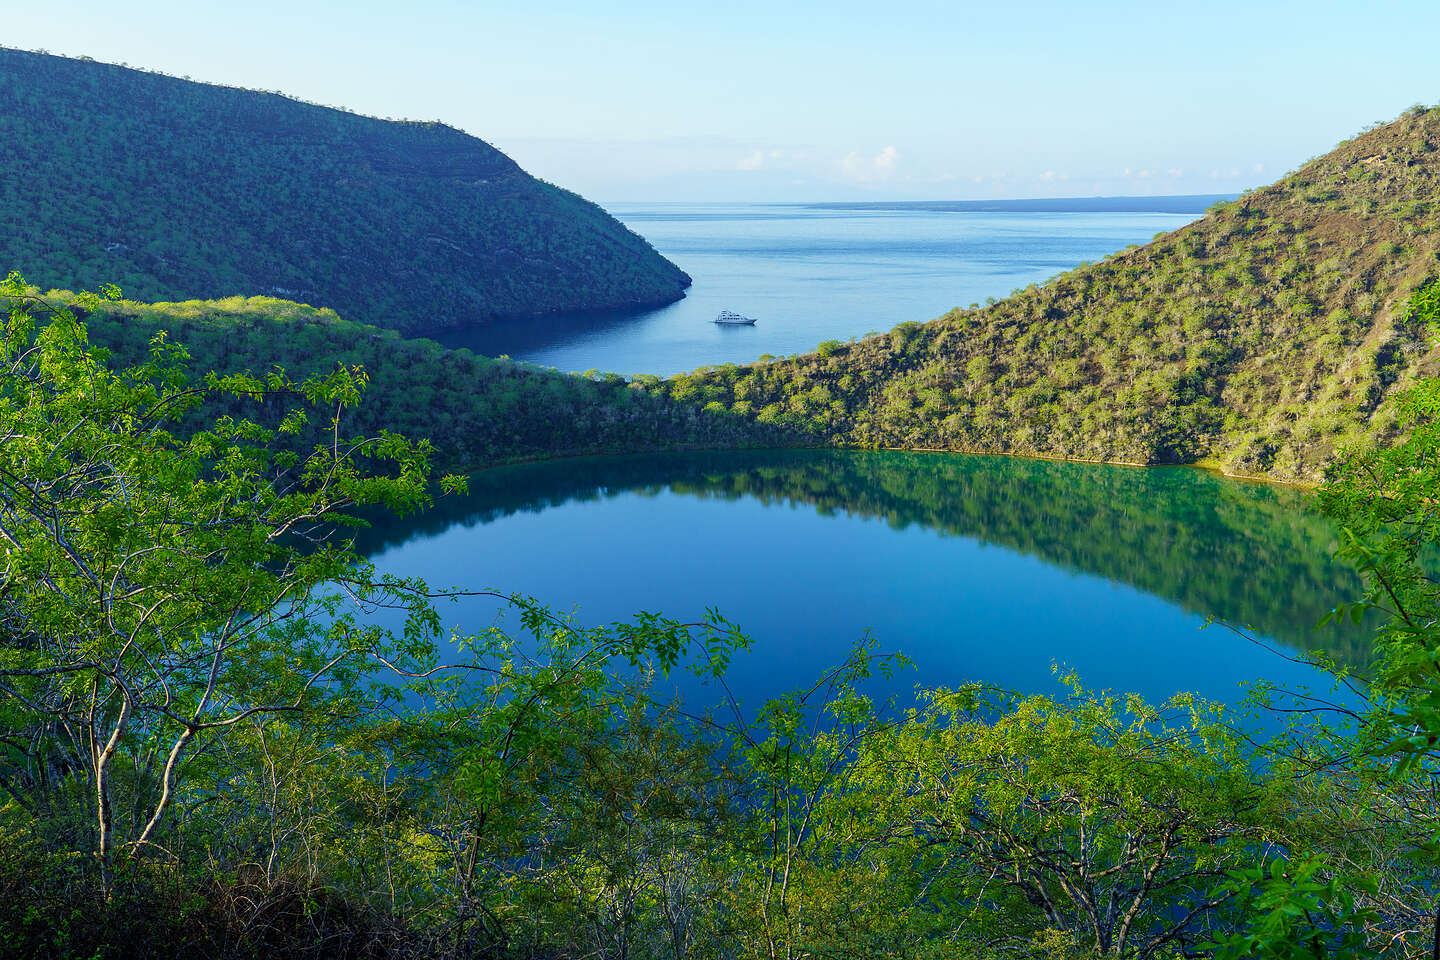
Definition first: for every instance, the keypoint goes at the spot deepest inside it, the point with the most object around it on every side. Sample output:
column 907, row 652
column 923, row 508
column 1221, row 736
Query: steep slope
column 1259, row 338
column 174, row 189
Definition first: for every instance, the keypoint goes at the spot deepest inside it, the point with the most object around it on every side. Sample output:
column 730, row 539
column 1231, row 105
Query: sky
column 804, row 101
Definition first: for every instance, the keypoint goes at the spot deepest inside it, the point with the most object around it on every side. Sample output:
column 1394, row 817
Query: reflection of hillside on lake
column 1242, row 552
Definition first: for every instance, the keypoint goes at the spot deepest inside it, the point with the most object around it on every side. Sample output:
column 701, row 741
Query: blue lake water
column 978, row 568
column 818, row 272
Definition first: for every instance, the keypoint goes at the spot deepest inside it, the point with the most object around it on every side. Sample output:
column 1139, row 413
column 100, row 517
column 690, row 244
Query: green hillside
column 477, row 411
column 177, row 190
column 480, row 412
column 1260, row 338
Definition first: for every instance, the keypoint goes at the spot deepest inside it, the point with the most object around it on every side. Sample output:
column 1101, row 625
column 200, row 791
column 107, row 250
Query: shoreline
column 1207, row 466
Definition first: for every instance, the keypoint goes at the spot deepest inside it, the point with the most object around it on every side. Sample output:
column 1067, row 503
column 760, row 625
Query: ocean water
column 810, row 273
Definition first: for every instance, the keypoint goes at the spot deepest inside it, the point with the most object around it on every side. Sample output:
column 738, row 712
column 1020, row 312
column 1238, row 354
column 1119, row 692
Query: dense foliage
column 193, row 688
column 1262, row 338
column 174, row 189
column 475, row 410
column 222, row 735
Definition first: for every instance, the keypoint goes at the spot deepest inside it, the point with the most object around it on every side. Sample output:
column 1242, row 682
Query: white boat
column 733, row 318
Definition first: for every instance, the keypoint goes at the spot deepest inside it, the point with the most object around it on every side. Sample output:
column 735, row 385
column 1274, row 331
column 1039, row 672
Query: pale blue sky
column 742, row 100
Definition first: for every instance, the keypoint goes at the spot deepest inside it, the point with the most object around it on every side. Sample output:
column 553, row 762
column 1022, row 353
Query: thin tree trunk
column 102, row 796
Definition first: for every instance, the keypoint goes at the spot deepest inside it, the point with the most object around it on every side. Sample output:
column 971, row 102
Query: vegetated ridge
column 477, row 411
column 481, row 412
column 176, row 190
column 1260, row 339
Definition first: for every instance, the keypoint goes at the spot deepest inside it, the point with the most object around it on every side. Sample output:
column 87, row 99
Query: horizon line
column 954, row 203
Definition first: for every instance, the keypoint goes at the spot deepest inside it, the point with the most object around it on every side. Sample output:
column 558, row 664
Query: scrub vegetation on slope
column 173, row 189
column 1261, row 338
column 477, row 411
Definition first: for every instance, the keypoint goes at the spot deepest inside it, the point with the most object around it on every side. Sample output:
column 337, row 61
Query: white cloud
column 1175, row 173
column 755, row 161
column 878, row 168
column 1258, row 168
column 771, row 160
column 1048, row 175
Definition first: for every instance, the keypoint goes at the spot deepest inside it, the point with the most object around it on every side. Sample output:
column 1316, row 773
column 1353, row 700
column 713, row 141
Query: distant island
column 1190, row 203
column 178, row 190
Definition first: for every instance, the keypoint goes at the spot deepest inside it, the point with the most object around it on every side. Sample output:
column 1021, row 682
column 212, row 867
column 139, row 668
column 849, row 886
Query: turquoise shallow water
column 978, row 568
column 814, row 273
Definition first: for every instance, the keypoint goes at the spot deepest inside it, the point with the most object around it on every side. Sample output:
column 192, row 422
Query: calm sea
column 810, row 273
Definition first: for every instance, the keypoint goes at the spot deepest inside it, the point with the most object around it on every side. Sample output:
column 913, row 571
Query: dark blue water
column 978, row 568
column 814, row 273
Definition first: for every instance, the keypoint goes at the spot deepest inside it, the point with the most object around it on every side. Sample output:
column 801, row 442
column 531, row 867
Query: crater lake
column 992, row 569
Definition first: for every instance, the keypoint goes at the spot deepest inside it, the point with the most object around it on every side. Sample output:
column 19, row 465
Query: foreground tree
column 159, row 587
column 198, row 673
column 1094, row 825
column 988, row 824
column 1368, row 890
